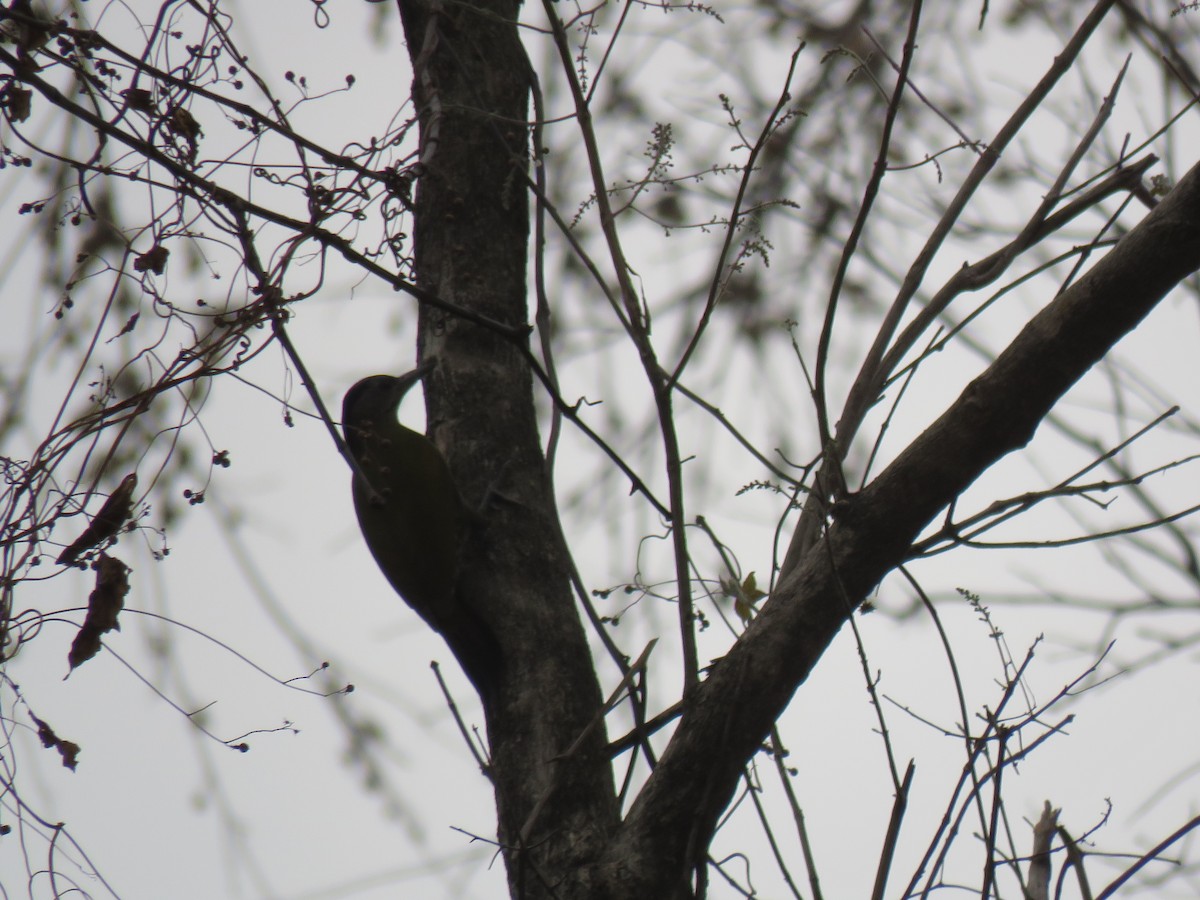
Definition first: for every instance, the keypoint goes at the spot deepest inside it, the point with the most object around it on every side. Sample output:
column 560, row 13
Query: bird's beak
column 408, row 379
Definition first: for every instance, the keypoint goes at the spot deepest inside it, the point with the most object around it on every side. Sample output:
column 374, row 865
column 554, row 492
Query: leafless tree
column 827, row 305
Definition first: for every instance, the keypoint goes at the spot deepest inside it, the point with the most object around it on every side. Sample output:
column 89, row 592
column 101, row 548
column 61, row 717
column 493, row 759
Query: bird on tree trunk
column 413, row 518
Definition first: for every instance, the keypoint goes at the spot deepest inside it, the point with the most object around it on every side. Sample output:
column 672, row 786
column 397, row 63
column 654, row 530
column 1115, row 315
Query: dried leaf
column 19, row 102
column 183, row 124
column 112, row 516
column 129, row 325
column 140, row 99
column 104, row 606
column 154, row 259
column 68, row 750
column 745, row 596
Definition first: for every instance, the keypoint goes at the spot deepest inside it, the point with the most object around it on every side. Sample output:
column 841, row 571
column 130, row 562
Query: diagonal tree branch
column 727, row 717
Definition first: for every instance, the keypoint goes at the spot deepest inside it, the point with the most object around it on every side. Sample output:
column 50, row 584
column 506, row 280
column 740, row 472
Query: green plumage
column 411, row 514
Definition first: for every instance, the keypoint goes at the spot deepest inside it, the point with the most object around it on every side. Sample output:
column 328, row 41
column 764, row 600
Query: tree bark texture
column 471, row 84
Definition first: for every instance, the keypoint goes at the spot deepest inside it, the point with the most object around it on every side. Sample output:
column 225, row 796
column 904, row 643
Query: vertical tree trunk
column 471, row 84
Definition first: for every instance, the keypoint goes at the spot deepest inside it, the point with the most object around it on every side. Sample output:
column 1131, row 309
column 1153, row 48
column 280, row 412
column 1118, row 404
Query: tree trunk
column 471, row 84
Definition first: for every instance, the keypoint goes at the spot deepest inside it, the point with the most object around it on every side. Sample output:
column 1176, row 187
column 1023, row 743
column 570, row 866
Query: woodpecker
column 412, row 517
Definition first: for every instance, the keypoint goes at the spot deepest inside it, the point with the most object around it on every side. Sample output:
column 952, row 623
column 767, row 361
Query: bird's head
column 373, row 401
